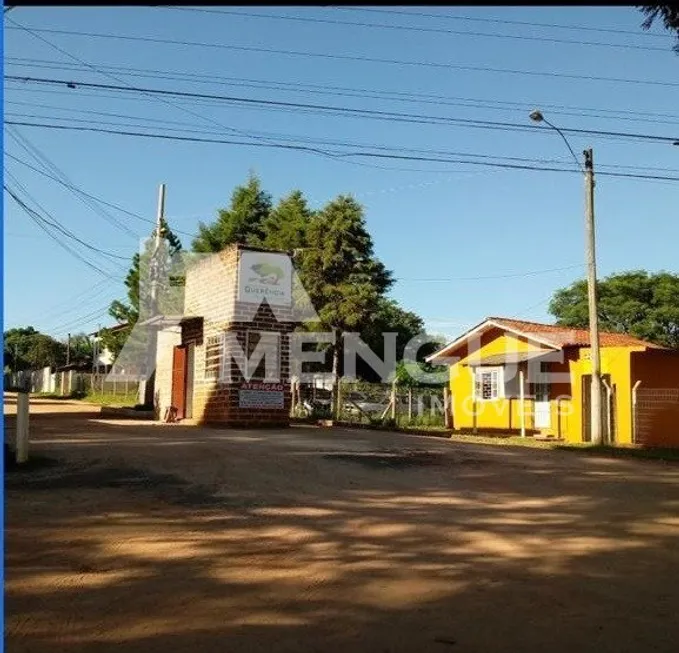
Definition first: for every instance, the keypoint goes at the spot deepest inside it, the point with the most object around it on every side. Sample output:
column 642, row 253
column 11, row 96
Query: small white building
column 102, row 357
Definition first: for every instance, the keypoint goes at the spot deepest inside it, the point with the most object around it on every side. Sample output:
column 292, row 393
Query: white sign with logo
column 264, row 275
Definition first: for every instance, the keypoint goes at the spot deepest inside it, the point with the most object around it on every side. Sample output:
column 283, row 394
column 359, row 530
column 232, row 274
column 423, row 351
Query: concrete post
column 447, row 407
column 22, row 427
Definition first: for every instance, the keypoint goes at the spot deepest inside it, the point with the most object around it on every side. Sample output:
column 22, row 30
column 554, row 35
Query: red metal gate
column 179, row 381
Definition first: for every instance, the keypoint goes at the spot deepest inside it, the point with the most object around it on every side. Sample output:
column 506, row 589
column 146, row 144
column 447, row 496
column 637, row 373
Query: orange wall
column 656, row 368
column 658, row 419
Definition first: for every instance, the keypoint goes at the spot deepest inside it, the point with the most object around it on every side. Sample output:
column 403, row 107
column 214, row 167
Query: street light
column 588, row 170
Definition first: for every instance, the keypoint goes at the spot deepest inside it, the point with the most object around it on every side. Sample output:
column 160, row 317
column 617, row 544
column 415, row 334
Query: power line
column 285, row 138
column 50, row 313
column 339, row 155
column 427, row 30
column 343, row 91
column 42, row 159
column 54, row 46
column 53, row 222
column 95, row 314
column 585, row 28
column 374, row 113
column 354, row 113
column 358, row 58
column 93, row 197
column 307, row 140
column 39, row 222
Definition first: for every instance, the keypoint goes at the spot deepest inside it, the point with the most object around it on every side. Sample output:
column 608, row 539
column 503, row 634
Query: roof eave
column 480, row 327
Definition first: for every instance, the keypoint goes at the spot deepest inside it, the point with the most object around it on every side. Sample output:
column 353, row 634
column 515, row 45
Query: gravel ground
column 134, row 536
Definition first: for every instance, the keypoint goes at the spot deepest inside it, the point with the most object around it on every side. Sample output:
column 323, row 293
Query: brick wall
column 657, row 417
column 211, row 294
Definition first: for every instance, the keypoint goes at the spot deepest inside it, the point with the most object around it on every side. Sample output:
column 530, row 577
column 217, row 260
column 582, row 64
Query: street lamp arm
column 565, row 140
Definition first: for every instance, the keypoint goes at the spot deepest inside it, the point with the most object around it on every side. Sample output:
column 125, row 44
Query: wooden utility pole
column 147, row 385
column 595, row 399
column 68, row 350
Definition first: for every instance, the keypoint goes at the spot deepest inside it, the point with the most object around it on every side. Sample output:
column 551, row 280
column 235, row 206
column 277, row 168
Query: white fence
column 70, row 383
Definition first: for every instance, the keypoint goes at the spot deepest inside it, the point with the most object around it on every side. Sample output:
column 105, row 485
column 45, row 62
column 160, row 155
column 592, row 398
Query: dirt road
column 149, row 538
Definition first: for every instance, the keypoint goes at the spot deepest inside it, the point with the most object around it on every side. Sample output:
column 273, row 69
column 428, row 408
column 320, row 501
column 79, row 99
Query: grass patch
column 504, row 441
column 424, row 427
column 621, row 451
column 52, row 395
column 99, row 398
column 109, row 399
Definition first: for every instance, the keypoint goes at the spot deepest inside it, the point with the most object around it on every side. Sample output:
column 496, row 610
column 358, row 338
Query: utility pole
column 156, row 249
column 596, row 426
column 147, row 386
column 68, row 350
column 595, row 398
column 95, row 350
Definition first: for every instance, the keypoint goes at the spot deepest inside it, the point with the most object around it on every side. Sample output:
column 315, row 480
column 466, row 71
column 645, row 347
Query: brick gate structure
column 218, row 327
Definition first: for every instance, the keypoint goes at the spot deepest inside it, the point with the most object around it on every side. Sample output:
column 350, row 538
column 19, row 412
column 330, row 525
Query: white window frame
column 479, row 372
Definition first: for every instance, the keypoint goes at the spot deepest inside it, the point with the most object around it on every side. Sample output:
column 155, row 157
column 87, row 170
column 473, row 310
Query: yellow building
column 510, row 375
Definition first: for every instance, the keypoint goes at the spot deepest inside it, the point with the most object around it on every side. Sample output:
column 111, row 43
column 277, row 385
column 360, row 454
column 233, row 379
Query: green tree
column 138, row 287
column 636, row 302
column 16, row 342
column 81, row 349
column 45, row 351
column 340, row 272
column 389, row 317
column 25, row 348
column 334, row 258
column 242, row 222
column 286, row 227
column 669, row 14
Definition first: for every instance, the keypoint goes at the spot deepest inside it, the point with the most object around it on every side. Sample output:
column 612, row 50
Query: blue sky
column 438, row 226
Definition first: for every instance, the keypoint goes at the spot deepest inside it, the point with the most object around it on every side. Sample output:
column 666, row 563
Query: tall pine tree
column 334, row 258
column 242, row 222
column 286, row 227
column 340, row 272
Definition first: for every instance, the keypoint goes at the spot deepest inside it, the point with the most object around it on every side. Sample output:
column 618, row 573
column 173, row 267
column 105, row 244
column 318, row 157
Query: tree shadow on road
column 298, row 546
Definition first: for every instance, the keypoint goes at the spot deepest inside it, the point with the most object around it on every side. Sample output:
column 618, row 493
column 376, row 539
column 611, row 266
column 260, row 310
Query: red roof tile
column 566, row 336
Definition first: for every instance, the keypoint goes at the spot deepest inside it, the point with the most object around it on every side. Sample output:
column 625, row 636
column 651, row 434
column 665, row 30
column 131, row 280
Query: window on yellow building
column 489, row 383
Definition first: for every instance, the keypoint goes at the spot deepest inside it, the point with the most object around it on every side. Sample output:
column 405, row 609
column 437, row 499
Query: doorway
column 542, row 407
column 190, row 357
column 179, row 369
column 608, row 421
